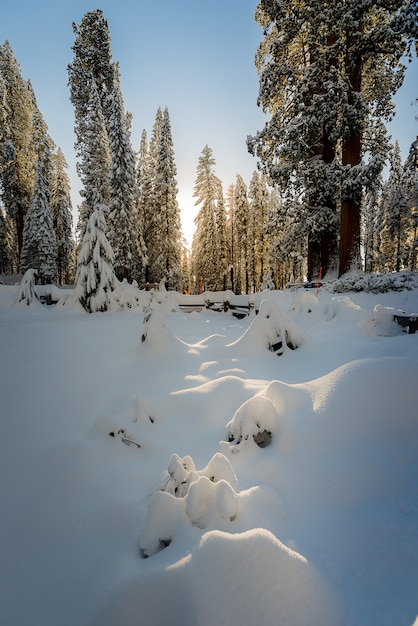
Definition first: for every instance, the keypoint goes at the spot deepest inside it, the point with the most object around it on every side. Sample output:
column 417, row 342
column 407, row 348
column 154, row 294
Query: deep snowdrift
column 276, row 480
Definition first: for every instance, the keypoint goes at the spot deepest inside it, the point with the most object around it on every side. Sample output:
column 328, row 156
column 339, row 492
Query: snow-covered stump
column 204, row 499
column 26, row 292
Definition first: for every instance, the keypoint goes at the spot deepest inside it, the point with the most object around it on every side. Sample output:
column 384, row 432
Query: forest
column 329, row 193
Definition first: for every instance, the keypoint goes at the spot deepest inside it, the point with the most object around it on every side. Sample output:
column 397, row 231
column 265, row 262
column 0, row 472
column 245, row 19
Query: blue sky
column 195, row 57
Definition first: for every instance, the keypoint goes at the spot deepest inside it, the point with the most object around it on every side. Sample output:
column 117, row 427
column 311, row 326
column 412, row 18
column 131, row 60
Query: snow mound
column 271, row 329
column 26, row 294
column 256, row 421
column 129, row 296
column 343, row 307
column 381, row 322
column 187, row 497
column 155, row 335
column 258, row 580
column 305, row 302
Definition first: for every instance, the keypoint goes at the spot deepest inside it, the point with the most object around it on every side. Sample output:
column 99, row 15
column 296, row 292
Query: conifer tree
column 327, row 74
column 205, row 246
column 144, row 192
column 92, row 63
column 61, row 214
column 39, row 250
column 242, row 222
column 167, row 227
column 151, row 214
column 258, row 196
column 220, row 218
column 230, row 235
column 17, row 161
column 95, row 279
column 95, row 161
column 127, row 243
column 397, row 223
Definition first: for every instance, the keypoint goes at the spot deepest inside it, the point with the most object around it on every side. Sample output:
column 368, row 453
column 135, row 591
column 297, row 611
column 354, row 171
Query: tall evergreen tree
column 397, row 223
column 230, row 235
column 259, row 199
column 327, row 74
column 92, row 64
column 411, row 181
column 151, row 215
column 220, row 218
column 61, row 211
column 205, row 248
column 95, row 161
column 242, row 222
column 127, row 243
column 167, row 232
column 17, row 169
column 39, row 245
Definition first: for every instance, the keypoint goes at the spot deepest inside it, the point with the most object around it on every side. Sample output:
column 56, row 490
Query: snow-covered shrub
column 305, row 302
column 381, row 322
column 341, row 306
column 129, row 296
column 272, row 330
column 204, row 499
column 255, row 421
column 26, row 291
column 375, row 283
column 155, row 333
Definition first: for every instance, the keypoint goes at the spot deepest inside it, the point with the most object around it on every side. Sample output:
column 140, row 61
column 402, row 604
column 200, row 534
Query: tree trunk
column 350, row 227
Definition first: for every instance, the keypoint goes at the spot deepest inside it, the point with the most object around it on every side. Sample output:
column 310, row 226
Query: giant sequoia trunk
column 322, row 250
column 351, row 156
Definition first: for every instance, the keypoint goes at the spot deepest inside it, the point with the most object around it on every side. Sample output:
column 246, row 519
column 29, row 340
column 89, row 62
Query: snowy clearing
column 160, row 467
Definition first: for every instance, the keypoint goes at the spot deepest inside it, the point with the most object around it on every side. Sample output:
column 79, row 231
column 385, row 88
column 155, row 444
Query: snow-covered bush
column 26, row 290
column 381, row 322
column 271, row 329
column 255, row 421
column 129, row 296
column 155, row 333
column 375, row 283
column 204, row 499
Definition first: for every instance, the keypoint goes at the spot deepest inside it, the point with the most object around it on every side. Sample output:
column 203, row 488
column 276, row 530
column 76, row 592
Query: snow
column 242, row 485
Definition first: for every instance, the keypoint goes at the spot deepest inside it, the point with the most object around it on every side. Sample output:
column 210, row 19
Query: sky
column 196, row 58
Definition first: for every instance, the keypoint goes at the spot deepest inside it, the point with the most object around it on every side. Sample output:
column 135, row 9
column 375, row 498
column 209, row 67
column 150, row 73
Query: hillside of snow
column 163, row 467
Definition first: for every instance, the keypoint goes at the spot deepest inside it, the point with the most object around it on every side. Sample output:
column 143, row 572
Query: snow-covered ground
column 270, row 486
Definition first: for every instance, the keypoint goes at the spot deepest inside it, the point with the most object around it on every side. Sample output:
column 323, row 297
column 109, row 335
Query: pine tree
column 127, row 243
column 259, row 197
column 205, row 247
column 167, row 237
column 39, row 249
column 397, row 223
column 151, row 215
column 95, row 279
column 92, row 64
column 95, row 161
column 220, row 218
column 230, row 235
column 61, row 211
column 242, row 222
column 411, row 182
column 144, row 192
column 327, row 74
column 17, row 168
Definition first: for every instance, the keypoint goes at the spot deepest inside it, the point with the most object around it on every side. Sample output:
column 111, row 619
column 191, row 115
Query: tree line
column 327, row 73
